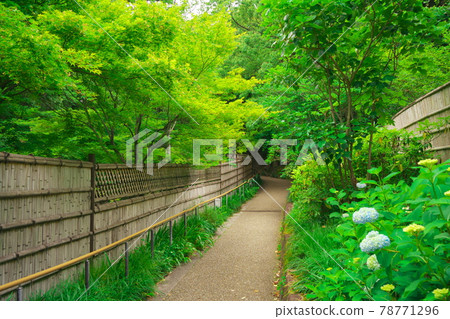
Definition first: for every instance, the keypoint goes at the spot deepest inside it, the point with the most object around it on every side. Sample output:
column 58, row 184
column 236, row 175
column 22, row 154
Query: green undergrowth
column 303, row 256
column 385, row 240
column 108, row 281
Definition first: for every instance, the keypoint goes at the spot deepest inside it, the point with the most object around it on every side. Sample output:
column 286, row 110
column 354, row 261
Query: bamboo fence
column 52, row 210
column 431, row 107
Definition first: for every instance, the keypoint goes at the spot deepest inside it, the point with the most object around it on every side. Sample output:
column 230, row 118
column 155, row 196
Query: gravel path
column 242, row 263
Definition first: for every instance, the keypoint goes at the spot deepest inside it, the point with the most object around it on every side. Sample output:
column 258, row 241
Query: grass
column 144, row 271
column 303, row 257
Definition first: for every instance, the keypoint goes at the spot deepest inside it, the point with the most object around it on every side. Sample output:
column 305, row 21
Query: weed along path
column 243, row 261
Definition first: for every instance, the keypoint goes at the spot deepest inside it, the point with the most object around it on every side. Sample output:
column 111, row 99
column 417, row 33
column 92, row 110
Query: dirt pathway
column 242, row 263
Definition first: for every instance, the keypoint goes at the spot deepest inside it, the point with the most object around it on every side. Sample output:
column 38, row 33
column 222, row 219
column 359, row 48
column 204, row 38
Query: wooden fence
column 52, row 210
column 431, row 107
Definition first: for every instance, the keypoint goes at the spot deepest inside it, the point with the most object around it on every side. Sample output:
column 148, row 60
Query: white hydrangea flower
column 372, row 263
column 365, row 215
column 373, row 241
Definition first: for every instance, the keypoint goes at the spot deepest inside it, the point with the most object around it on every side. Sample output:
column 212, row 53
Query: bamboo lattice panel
column 117, row 181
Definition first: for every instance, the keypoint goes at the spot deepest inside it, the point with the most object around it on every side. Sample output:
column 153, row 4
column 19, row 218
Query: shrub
column 406, row 242
column 310, row 183
column 392, row 150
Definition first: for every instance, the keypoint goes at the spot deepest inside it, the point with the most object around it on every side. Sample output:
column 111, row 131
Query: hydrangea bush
column 395, row 240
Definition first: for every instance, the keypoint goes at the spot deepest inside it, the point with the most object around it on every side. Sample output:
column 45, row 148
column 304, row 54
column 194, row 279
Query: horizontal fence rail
column 53, row 211
column 17, row 284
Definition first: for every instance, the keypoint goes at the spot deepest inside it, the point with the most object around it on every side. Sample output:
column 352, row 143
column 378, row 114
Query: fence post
column 226, row 200
column 86, row 273
column 196, row 211
column 218, row 202
column 170, row 232
column 152, row 241
column 126, row 259
column 185, row 224
column 91, row 224
column 19, row 293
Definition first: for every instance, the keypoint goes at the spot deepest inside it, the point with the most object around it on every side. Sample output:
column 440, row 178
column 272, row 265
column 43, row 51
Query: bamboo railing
column 19, row 282
column 53, row 211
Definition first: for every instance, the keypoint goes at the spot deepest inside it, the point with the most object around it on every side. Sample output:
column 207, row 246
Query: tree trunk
column 348, row 133
column 350, row 167
column 340, row 174
column 330, row 176
column 369, row 155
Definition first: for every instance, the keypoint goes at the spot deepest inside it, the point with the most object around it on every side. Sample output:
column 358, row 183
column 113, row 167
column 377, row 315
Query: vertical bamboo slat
column 430, row 107
column 50, row 228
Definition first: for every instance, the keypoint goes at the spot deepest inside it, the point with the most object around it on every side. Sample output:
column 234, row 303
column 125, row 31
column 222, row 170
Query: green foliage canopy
column 84, row 81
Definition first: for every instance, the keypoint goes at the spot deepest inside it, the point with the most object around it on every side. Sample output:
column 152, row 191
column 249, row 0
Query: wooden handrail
column 18, row 282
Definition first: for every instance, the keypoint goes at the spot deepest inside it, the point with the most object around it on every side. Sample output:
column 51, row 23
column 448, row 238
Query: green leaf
column 375, row 170
column 371, row 280
column 332, row 201
column 388, row 215
column 412, row 287
column 440, row 201
column 369, row 182
column 360, row 231
column 342, row 194
column 435, row 224
column 445, row 236
column 385, row 258
column 387, row 178
column 418, row 188
column 420, row 200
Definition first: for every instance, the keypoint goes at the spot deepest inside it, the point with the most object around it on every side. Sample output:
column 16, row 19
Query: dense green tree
column 254, row 52
column 86, row 81
column 425, row 70
column 347, row 54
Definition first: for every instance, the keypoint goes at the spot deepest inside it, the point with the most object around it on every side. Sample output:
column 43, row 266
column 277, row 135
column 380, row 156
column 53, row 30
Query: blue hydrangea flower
column 373, row 241
column 365, row 215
